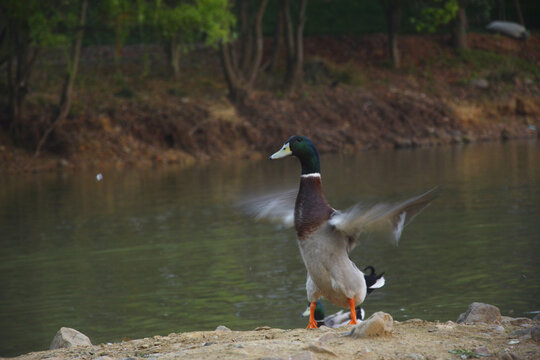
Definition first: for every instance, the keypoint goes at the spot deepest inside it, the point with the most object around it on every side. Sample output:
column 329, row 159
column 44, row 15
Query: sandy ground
column 413, row 339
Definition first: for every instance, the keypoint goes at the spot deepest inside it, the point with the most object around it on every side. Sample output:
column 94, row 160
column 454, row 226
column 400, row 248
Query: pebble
column 261, row 328
column 306, row 355
column 535, row 333
column 482, row 351
column 223, row 328
column 320, row 349
column 327, row 337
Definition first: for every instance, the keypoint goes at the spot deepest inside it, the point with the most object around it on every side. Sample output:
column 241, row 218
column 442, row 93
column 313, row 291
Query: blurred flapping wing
column 391, row 217
column 277, row 207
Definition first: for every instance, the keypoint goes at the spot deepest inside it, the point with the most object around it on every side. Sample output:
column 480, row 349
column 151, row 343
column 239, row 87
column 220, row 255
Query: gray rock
column 327, row 337
column 68, row 337
column 522, row 333
column 415, row 356
column 223, row 328
column 317, row 348
column 509, row 356
column 306, row 355
column 520, row 321
column 480, row 83
column 480, row 313
column 377, row 324
column 535, row 333
column 508, row 28
column 482, row 351
column 536, row 317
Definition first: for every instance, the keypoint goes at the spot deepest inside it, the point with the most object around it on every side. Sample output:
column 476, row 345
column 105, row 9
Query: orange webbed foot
column 312, row 323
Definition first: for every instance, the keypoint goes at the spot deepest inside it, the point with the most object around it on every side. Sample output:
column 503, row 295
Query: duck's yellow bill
column 285, row 151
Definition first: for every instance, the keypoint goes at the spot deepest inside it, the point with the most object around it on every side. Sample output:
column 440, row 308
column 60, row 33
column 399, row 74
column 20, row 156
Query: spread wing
column 277, row 207
column 381, row 217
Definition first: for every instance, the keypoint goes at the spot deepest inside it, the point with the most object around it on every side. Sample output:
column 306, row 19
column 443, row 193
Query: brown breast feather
column 311, row 209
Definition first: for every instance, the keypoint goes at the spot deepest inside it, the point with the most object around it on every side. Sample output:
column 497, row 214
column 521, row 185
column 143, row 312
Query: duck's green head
column 304, row 150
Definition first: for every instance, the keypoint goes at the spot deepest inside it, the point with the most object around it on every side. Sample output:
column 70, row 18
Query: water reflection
column 141, row 253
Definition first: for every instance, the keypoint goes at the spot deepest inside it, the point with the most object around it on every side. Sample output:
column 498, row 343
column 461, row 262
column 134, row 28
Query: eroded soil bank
column 351, row 101
column 412, row 339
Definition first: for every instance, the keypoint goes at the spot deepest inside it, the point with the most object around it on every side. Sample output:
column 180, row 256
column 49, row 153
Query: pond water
column 141, row 253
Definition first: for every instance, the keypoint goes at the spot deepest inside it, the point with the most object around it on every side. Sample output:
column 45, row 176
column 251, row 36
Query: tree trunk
column 502, row 10
column 393, row 20
column 460, row 28
column 270, row 65
column 519, row 13
column 173, row 53
column 295, row 47
column 18, row 69
column 67, row 91
column 241, row 75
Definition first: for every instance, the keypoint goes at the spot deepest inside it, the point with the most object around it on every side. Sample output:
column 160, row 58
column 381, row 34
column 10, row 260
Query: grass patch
column 497, row 67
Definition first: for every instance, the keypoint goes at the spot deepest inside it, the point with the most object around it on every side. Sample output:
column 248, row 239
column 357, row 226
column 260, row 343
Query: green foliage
column 464, row 353
column 208, row 20
column 122, row 16
column 47, row 23
column 434, row 14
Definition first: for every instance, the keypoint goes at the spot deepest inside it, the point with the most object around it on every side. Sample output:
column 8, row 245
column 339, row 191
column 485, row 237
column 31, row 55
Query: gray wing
column 391, row 217
column 277, row 207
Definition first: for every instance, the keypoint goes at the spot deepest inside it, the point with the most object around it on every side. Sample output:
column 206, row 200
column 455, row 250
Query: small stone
column 499, row 329
column 520, row 321
column 482, row 351
column 522, row 333
column 223, row 328
column 480, row 83
column 535, row 333
column 510, row 356
column 306, row 355
column 480, row 313
column 327, row 337
column 320, row 349
column 536, row 317
column 377, row 324
column 449, row 325
column 513, row 342
column 415, row 356
column 144, row 346
column 366, row 354
column 261, row 328
column 68, row 337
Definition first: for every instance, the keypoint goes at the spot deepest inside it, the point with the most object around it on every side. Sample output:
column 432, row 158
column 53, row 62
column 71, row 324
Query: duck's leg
column 312, row 323
column 353, row 321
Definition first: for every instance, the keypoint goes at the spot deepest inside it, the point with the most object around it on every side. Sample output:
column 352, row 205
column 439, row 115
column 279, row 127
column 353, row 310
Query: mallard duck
column 339, row 319
column 342, row 318
column 373, row 281
column 326, row 235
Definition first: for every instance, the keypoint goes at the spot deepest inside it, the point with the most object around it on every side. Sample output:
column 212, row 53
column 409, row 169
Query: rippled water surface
column 157, row 251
